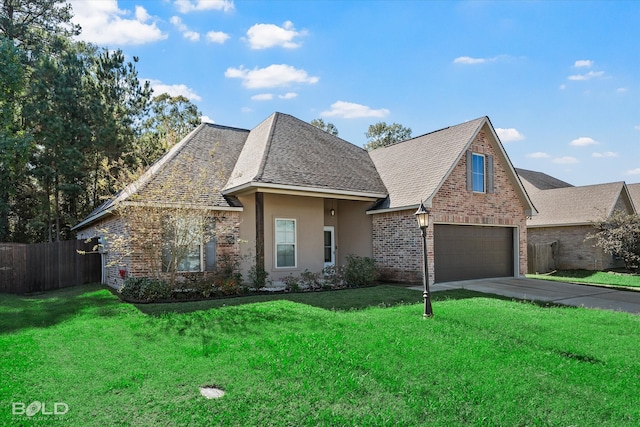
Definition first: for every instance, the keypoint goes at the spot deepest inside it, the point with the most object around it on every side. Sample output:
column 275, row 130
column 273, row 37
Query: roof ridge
column 267, row 146
column 432, row 132
column 225, row 127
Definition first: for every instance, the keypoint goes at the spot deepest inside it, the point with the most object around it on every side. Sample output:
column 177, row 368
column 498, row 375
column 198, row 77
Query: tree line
column 73, row 116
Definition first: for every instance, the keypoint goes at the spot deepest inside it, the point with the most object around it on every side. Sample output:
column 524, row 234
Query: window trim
column 295, row 244
column 484, row 173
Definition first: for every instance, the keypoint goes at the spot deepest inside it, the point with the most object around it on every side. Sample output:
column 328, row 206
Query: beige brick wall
column 397, row 245
column 573, row 251
column 139, row 264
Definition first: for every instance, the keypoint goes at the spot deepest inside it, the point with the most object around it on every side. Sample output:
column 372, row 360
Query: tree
column 14, row 142
column 327, row 127
column 382, row 134
column 163, row 222
column 29, row 23
column 170, row 120
column 619, row 235
column 119, row 103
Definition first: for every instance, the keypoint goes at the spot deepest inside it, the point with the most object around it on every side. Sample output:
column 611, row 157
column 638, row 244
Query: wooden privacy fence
column 46, row 266
column 541, row 257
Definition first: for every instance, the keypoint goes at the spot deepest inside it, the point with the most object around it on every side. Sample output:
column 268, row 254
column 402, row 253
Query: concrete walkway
column 548, row 291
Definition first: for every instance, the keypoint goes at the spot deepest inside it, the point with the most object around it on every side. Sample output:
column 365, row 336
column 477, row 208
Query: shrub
column 360, row 271
column 619, row 235
column 258, row 277
column 145, row 289
column 228, row 268
column 202, row 284
column 310, row 281
column 332, row 277
column 291, row 283
column 230, row 286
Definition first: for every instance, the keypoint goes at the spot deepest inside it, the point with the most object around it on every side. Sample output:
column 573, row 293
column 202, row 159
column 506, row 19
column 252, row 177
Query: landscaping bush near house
column 360, row 271
column 145, row 289
column 258, row 277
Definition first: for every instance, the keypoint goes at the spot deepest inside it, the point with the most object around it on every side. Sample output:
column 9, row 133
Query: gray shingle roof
column 634, row 192
column 208, row 147
column 540, row 180
column 284, row 150
column 413, row 170
column 574, row 205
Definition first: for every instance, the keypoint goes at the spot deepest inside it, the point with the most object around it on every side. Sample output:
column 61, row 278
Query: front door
column 329, row 246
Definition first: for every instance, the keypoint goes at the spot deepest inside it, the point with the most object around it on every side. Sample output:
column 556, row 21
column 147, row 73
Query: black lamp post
column 422, row 216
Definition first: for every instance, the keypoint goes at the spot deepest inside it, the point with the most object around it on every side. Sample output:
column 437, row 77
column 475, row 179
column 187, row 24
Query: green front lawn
column 355, row 357
column 591, row 277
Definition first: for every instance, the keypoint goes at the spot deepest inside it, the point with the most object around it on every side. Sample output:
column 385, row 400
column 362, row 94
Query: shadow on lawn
column 53, row 307
column 338, row 300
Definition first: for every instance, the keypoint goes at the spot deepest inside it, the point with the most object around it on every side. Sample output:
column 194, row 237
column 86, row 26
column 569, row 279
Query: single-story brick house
column 567, row 215
column 295, row 198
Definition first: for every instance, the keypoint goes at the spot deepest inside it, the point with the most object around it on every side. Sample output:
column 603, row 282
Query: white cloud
column 262, row 97
column 635, row 171
column 288, row 95
column 177, row 21
column 622, row 90
column 186, row 6
column 637, row 127
column 141, row 14
column 563, row 87
column 566, row 160
column 469, row 60
column 104, row 23
column 206, row 119
column 173, row 90
column 275, row 75
column 263, row 36
column 605, row 154
column 509, row 134
column 217, row 37
column 586, row 63
column 350, row 110
column 538, row 155
column 583, row 141
column 590, row 75
column 186, row 33
column 191, row 35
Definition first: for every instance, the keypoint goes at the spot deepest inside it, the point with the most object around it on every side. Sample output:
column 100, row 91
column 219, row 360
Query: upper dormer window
column 478, row 170
column 480, row 173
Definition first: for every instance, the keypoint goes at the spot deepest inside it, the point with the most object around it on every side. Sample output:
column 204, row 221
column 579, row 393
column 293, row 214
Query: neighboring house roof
column 634, row 193
column 284, row 152
column 577, row 205
column 540, row 180
column 209, row 147
column 415, row 169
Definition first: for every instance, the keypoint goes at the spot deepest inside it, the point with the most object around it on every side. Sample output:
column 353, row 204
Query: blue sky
column 560, row 81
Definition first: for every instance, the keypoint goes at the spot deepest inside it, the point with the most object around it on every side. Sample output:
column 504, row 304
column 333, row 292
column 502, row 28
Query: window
column 182, row 245
column 285, row 243
column 478, row 173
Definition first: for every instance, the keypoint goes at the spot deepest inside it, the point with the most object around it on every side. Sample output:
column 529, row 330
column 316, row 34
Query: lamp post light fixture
column 422, row 216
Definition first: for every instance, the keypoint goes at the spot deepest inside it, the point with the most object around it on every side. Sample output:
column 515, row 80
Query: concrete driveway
column 554, row 292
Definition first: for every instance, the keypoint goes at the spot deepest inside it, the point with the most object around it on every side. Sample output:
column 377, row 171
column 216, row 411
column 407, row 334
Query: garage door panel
column 472, row 252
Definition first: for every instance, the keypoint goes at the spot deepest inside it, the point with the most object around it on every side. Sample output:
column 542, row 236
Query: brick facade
column 573, row 251
column 397, row 244
column 146, row 263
